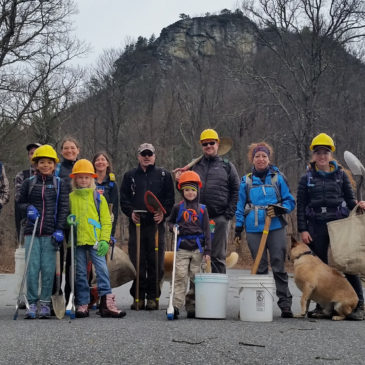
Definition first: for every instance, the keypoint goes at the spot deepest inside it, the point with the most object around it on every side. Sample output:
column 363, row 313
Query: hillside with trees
column 278, row 71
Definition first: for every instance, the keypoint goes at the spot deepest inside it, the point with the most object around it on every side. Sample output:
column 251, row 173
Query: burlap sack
column 121, row 269
column 347, row 239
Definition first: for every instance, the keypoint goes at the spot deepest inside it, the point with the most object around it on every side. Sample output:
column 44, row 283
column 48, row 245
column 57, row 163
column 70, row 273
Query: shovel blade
column 354, row 164
column 58, row 303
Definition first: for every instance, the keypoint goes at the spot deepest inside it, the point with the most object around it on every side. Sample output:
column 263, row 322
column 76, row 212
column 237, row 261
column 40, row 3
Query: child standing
column 93, row 228
column 193, row 241
column 45, row 197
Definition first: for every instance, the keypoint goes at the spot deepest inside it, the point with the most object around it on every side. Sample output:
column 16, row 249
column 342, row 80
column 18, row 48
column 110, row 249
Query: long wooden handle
column 138, row 234
column 156, row 264
column 261, row 249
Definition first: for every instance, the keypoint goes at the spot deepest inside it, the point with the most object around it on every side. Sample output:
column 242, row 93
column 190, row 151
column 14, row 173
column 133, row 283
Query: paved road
column 149, row 338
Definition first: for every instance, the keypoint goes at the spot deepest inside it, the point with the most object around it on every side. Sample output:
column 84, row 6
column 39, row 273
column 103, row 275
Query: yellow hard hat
column 322, row 139
column 45, row 151
column 83, row 166
column 209, row 134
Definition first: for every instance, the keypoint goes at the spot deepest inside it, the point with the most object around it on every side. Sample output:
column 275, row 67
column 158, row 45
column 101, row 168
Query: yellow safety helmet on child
column 322, row 139
column 209, row 134
column 45, row 151
column 83, row 166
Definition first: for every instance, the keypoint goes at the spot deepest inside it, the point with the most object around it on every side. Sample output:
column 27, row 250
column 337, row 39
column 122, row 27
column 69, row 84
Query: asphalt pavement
column 147, row 337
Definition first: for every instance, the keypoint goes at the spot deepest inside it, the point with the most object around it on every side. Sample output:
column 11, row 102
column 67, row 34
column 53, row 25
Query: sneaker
column 286, row 313
column 31, row 313
column 82, row 311
column 152, row 305
column 141, row 305
column 45, row 311
column 357, row 314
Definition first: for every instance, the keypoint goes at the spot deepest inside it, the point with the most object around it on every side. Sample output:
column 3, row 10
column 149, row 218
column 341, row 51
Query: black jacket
column 63, row 170
column 220, row 186
column 136, row 182
column 109, row 189
column 323, row 197
column 43, row 196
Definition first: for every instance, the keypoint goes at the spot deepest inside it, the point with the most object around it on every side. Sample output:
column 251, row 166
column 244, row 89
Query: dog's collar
column 305, row 253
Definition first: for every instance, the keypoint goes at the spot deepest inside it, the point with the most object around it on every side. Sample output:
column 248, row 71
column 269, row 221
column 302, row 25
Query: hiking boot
column 108, row 307
column 31, row 313
column 82, row 311
column 286, row 313
column 141, row 305
column 45, row 311
column 152, row 305
column 190, row 314
column 357, row 314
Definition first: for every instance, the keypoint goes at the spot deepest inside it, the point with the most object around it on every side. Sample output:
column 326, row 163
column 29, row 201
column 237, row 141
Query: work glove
column 275, row 210
column 71, row 220
column 112, row 241
column 237, row 237
column 103, row 248
column 32, row 213
column 57, row 238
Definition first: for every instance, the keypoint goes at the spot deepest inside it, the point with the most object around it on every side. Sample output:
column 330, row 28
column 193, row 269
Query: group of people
column 53, row 196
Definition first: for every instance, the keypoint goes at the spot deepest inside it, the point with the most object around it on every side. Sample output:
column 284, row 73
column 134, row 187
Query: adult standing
column 219, row 193
column 4, row 187
column 325, row 194
column 19, row 179
column 70, row 150
column 263, row 192
column 106, row 184
column 147, row 176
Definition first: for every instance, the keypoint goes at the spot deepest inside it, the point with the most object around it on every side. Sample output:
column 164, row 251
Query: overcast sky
column 105, row 24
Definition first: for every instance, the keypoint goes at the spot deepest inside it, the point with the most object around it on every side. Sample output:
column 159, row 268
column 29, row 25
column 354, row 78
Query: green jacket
column 82, row 205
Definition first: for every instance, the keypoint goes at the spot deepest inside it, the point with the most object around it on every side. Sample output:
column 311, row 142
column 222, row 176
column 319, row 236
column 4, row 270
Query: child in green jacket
column 90, row 215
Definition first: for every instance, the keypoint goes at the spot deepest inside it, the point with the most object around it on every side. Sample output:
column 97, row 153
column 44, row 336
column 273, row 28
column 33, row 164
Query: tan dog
column 321, row 283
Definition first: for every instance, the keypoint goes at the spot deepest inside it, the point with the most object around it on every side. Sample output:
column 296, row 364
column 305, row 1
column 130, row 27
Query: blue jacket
column 261, row 195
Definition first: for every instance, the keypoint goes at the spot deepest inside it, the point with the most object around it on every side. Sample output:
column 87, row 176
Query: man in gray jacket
column 219, row 193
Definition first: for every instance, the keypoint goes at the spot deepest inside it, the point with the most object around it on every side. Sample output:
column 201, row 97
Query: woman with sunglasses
column 325, row 194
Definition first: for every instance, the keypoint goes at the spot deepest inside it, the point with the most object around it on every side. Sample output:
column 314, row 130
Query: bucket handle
column 240, row 290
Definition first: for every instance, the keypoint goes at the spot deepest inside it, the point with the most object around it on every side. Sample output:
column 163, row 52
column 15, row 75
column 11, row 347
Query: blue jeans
column 102, row 274
column 42, row 261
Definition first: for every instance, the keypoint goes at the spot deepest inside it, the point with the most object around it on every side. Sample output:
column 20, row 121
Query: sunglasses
column 146, row 153
column 205, row 144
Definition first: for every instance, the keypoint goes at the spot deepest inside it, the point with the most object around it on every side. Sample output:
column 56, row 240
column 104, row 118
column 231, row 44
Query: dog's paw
column 299, row 315
column 338, row 318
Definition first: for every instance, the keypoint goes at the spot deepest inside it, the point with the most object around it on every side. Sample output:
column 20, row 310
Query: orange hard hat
column 83, row 166
column 189, row 176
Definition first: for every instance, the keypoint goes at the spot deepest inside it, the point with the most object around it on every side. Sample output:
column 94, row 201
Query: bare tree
column 35, row 44
column 302, row 38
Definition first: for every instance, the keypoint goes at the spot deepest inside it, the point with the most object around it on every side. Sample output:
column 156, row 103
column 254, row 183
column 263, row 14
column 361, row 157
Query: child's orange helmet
column 189, row 176
column 83, row 166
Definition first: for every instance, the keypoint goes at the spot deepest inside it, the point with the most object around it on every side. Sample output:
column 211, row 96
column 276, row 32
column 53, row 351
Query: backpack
column 182, row 210
column 309, row 174
column 274, row 184
column 190, row 216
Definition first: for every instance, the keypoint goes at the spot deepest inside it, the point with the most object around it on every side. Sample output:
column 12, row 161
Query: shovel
column 70, row 309
column 357, row 169
column 170, row 309
column 58, row 301
column 262, row 245
column 153, row 205
column 22, row 298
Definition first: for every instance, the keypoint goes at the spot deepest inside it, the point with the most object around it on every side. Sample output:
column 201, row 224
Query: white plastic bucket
column 211, row 295
column 256, row 298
